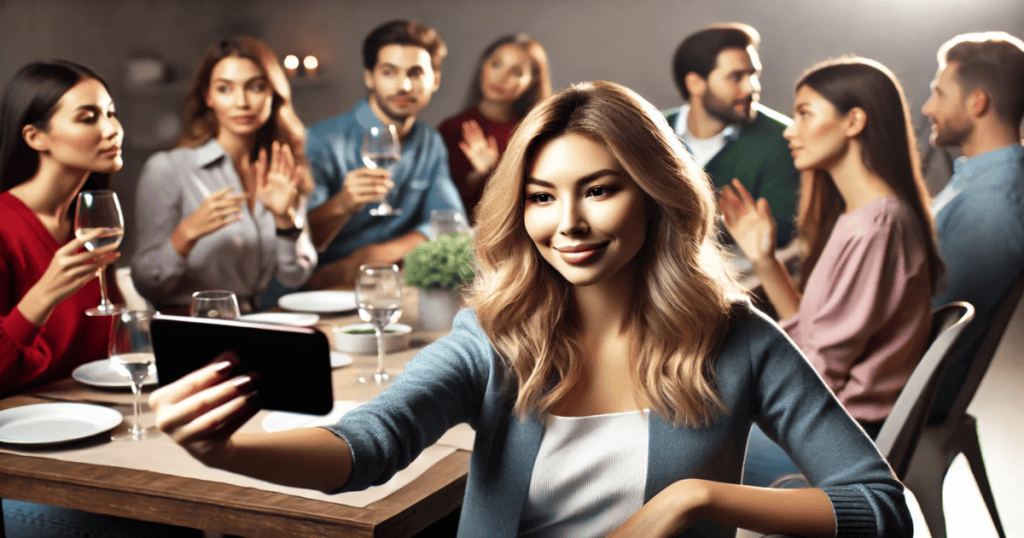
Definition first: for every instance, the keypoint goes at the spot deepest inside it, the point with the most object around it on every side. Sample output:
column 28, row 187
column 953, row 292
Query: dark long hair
column 889, row 150
column 284, row 125
column 540, row 82
column 31, row 99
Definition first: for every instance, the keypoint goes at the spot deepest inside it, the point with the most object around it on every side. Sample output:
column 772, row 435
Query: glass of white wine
column 379, row 296
column 100, row 209
column 131, row 354
column 220, row 304
column 381, row 149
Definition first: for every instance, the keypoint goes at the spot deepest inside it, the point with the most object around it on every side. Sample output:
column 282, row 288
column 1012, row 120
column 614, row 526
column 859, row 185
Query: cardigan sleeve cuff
column 19, row 329
column 855, row 516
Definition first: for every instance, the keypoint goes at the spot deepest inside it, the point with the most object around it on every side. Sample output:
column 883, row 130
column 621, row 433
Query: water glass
column 221, row 304
column 131, row 354
column 447, row 221
column 379, row 296
column 100, row 209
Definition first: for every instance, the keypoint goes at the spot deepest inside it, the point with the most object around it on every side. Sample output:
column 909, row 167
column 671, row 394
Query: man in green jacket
column 727, row 131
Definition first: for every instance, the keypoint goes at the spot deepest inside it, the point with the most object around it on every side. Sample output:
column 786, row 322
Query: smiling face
column 585, row 215
column 732, row 86
column 84, row 133
column 947, row 109
column 818, row 136
column 506, row 74
column 401, row 82
column 240, row 96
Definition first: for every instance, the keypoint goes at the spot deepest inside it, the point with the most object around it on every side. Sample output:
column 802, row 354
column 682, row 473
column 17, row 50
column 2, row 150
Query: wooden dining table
column 35, row 475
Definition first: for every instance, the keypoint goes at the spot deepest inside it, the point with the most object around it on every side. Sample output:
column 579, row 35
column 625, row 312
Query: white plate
column 55, row 422
column 101, row 374
column 283, row 318
column 319, row 301
column 339, row 359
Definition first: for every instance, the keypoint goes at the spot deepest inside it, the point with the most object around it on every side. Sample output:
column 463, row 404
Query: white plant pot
column 437, row 308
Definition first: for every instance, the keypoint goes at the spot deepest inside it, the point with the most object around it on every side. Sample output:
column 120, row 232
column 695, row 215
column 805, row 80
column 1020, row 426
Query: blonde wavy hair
column 683, row 297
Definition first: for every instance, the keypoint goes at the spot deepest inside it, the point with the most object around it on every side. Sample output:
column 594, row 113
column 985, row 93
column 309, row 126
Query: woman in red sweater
column 57, row 127
column 511, row 77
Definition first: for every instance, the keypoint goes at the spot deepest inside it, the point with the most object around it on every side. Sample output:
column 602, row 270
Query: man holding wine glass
column 372, row 200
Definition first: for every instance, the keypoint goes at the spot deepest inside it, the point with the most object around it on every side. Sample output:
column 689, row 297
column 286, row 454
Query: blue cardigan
column 761, row 377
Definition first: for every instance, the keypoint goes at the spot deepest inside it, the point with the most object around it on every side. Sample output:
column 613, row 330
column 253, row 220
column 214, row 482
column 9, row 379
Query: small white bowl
column 366, row 344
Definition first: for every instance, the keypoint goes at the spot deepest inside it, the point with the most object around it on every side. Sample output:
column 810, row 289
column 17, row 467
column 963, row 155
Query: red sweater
column 451, row 131
column 31, row 355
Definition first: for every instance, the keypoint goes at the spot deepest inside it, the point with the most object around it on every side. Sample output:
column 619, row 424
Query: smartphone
column 293, row 364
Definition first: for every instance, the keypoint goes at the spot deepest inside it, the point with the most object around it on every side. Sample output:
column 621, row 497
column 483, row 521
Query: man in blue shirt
column 976, row 104
column 402, row 61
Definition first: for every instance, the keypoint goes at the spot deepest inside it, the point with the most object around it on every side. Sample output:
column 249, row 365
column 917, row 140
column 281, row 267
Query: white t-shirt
column 589, row 477
column 702, row 149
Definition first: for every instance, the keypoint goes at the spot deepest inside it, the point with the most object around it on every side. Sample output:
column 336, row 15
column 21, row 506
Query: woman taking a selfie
column 224, row 209
column 511, row 77
column 598, row 263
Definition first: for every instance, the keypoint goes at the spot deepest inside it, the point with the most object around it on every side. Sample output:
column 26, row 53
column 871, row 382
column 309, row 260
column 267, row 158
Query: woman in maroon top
column 57, row 127
column 511, row 77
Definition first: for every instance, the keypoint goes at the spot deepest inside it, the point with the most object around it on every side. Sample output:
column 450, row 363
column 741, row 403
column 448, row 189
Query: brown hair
column 698, row 53
column 283, row 126
column 540, row 85
column 683, row 294
column 890, row 150
column 402, row 32
column 993, row 62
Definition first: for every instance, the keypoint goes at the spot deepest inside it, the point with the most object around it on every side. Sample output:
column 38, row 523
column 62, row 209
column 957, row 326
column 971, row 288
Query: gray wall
column 630, row 42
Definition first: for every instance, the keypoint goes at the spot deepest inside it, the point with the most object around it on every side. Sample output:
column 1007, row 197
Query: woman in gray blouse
column 224, row 210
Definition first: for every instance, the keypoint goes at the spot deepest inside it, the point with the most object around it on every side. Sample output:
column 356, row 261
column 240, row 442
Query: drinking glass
column 447, row 221
column 214, row 304
column 381, row 149
column 379, row 295
column 131, row 354
column 100, row 209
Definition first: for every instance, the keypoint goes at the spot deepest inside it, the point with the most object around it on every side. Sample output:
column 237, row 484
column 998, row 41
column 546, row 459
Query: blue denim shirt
column 421, row 177
column 979, row 217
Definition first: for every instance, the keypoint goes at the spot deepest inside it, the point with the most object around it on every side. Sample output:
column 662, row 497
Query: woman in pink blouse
column 860, row 309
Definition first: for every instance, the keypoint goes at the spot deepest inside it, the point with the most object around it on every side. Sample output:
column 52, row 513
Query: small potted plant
column 440, row 268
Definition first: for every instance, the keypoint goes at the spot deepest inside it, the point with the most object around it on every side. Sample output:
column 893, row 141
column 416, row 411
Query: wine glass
column 381, row 149
column 214, row 304
column 100, row 209
column 379, row 295
column 131, row 354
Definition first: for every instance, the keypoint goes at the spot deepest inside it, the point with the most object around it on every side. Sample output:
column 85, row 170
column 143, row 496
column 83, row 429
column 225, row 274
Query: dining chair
column 902, row 429
column 958, row 432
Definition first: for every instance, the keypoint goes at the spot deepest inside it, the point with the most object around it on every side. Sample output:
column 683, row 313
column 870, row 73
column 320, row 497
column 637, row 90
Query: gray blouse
column 241, row 257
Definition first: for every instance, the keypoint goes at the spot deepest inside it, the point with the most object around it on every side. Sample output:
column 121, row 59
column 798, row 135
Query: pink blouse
column 865, row 315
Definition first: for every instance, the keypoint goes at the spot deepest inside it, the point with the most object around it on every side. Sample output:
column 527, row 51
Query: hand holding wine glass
column 220, row 304
column 99, row 210
column 131, row 354
column 381, row 150
column 379, row 296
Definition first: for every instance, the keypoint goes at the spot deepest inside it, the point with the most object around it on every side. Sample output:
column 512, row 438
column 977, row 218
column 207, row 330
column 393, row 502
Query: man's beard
column 949, row 136
column 725, row 112
column 396, row 116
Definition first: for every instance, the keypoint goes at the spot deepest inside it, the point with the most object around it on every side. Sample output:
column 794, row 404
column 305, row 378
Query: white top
column 589, row 477
column 702, row 149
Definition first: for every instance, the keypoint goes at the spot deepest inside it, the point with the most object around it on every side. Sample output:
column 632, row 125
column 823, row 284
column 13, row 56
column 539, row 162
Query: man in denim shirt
column 402, row 62
column 976, row 104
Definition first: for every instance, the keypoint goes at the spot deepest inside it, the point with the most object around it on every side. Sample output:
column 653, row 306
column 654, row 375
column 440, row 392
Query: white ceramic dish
column 319, row 301
column 55, row 422
column 339, row 359
column 366, row 344
column 296, row 319
column 101, row 374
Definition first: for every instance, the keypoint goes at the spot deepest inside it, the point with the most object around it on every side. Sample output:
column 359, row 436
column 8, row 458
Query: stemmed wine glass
column 381, row 149
column 379, row 295
column 100, row 209
column 214, row 304
column 131, row 354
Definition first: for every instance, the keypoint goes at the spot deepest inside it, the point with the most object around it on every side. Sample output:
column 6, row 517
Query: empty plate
column 101, row 374
column 319, row 301
column 296, row 319
column 339, row 359
column 55, row 422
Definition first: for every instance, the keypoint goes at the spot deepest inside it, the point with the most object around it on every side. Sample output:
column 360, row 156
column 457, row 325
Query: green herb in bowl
column 368, row 331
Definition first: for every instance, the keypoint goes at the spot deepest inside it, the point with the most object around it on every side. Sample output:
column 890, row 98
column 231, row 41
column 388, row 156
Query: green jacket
column 759, row 157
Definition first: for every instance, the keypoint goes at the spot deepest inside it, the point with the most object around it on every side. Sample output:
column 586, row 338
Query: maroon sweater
column 32, row 355
column 451, row 131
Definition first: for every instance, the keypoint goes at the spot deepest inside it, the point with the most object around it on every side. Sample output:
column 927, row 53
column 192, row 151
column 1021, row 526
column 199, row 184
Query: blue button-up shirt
column 422, row 179
column 979, row 217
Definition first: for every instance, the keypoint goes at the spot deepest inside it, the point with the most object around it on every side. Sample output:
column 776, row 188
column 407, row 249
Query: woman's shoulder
column 879, row 219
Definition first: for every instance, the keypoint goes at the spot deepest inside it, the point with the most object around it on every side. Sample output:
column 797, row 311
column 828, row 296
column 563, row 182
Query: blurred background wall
column 630, row 42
